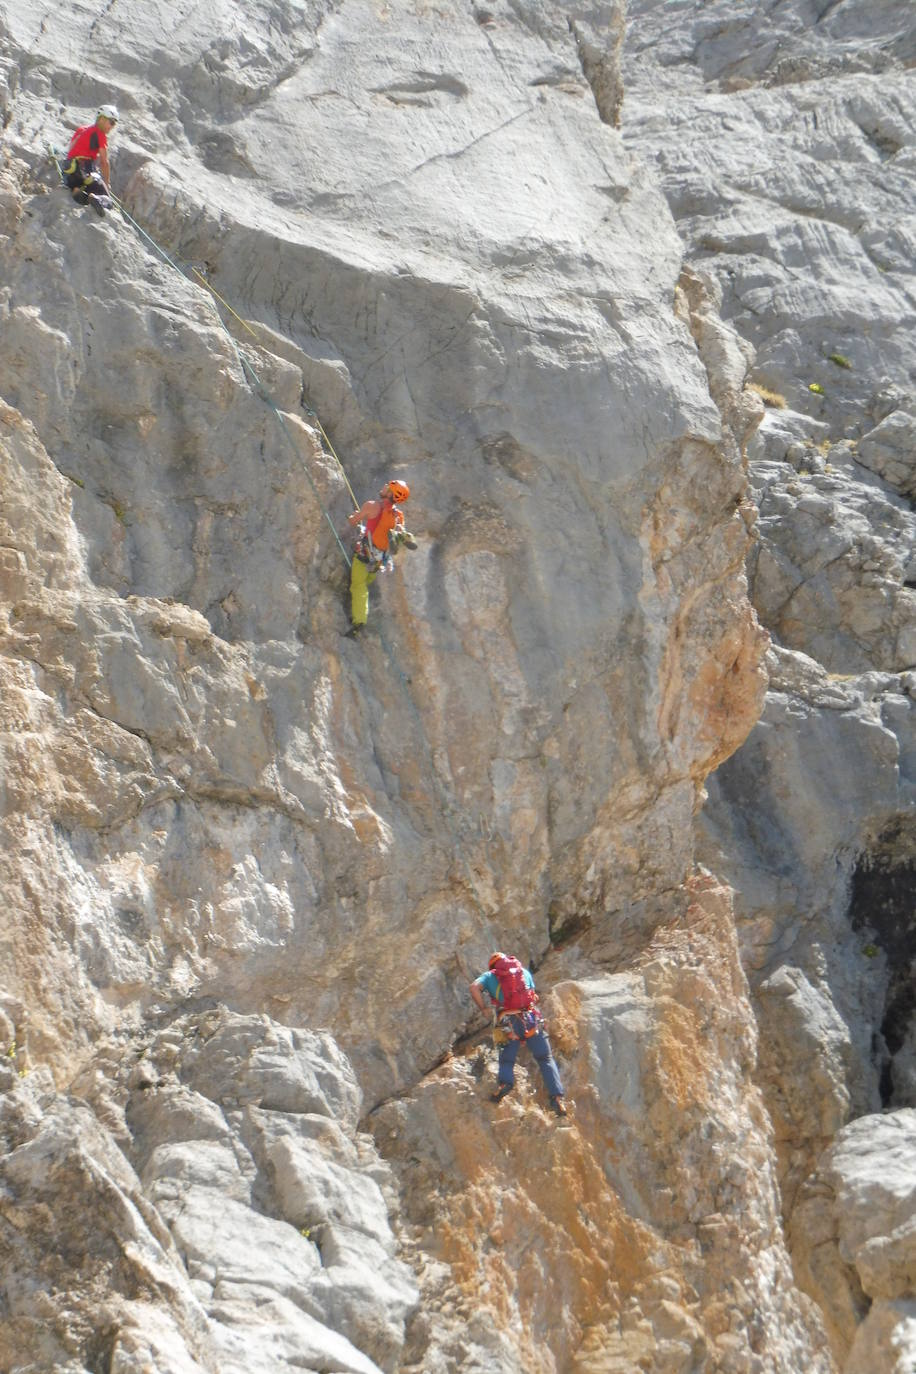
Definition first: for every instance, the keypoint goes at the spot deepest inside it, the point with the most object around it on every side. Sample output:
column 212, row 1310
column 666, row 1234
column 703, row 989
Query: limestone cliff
column 783, row 137
column 249, row 865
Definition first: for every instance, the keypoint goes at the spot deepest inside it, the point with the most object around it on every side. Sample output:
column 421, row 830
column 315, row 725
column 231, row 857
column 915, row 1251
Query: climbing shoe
column 503, row 1090
column 410, row 542
column 100, row 204
column 558, row 1106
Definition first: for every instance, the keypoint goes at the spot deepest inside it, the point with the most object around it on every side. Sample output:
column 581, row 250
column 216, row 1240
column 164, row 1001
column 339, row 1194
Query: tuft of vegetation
column 839, row 360
column 77, row 481
column 774, row 399
column 871, row 951
column 816, row 388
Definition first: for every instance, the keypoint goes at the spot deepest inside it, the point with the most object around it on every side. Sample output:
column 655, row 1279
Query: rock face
column 237, row 1220
column 654, row 1212
column 248, row 865
column 783, row 139
column 570, row 634
column 853, row 1238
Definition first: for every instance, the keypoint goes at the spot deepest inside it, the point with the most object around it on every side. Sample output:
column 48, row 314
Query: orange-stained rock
column 642, row 1233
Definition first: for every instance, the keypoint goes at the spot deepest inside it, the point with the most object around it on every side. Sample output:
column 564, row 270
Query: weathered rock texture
column 562, row 662
column 853, row 1236
column 645, row 1236
column 783, row 137
column 248, row 866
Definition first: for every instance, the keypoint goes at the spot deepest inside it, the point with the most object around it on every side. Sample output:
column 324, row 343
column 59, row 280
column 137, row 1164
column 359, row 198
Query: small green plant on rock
column 839, row 360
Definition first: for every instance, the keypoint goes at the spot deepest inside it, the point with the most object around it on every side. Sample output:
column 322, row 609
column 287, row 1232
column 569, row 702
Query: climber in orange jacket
column 382, row 531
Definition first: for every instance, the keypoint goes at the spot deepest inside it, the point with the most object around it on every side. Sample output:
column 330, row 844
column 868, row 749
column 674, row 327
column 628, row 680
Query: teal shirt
column 490, row 984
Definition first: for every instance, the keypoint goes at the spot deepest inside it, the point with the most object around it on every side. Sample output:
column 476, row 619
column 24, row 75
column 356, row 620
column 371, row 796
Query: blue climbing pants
column 540, row 1048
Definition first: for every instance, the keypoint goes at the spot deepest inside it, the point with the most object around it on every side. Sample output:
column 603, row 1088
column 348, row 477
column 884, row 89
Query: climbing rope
column 254, row 381
column 268, row 399
column 248, row 370
column 247, row 367
column 204, row 281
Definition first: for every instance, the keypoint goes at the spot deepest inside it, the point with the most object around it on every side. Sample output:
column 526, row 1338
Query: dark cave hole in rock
column 883, row 904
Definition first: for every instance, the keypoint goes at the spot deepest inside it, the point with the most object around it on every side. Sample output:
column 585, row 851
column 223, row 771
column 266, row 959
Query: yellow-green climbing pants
column 361, row 579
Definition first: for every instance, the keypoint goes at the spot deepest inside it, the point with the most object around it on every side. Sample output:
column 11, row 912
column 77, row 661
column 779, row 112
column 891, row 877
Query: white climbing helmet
column 109, row 111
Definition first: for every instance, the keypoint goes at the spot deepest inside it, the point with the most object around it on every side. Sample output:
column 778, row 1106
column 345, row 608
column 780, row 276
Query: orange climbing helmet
column 495, row 958
column 398, row 491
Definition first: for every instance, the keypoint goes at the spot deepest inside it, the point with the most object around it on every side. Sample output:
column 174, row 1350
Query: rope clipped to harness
column 517, row 1025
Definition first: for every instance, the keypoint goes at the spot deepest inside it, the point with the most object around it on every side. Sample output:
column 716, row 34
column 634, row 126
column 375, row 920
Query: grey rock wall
column 205, row 1202
column 782, row 135
column 525, row 371
column 248, row 866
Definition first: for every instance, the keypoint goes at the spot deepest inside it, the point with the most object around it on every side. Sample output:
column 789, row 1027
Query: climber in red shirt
column 88, row 143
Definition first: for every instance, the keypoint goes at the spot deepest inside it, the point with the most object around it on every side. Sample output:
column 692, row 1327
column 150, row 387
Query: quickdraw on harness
column 517, row 1025
column 79, row 175
column 368, row 552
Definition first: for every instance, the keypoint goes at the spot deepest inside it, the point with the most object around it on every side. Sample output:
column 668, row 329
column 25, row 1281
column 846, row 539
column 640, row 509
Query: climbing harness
column 368, row 553
column 517, row 1025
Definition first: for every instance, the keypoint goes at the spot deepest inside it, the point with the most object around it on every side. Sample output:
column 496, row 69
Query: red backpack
column 516, row 994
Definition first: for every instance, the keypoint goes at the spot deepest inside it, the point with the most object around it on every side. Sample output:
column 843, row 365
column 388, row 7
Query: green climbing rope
column 255, row 382
column 248, row 371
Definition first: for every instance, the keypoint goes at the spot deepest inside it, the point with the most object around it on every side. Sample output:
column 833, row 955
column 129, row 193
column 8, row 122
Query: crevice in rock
column 564, row 929
column 881, row 906
column 600, row 62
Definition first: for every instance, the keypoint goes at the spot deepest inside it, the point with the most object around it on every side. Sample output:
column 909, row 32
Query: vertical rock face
column 561, row 662
column 853, row 1237
column 783, row 139
column 217, row 1211
column 248, row 865
column 644, row 1236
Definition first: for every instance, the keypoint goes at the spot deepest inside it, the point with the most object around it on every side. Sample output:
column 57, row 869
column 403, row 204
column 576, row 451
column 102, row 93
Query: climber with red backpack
column 518, row 1021
column 381, row 533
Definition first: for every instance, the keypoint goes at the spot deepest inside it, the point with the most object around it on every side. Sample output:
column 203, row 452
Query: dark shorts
column 81, row 176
